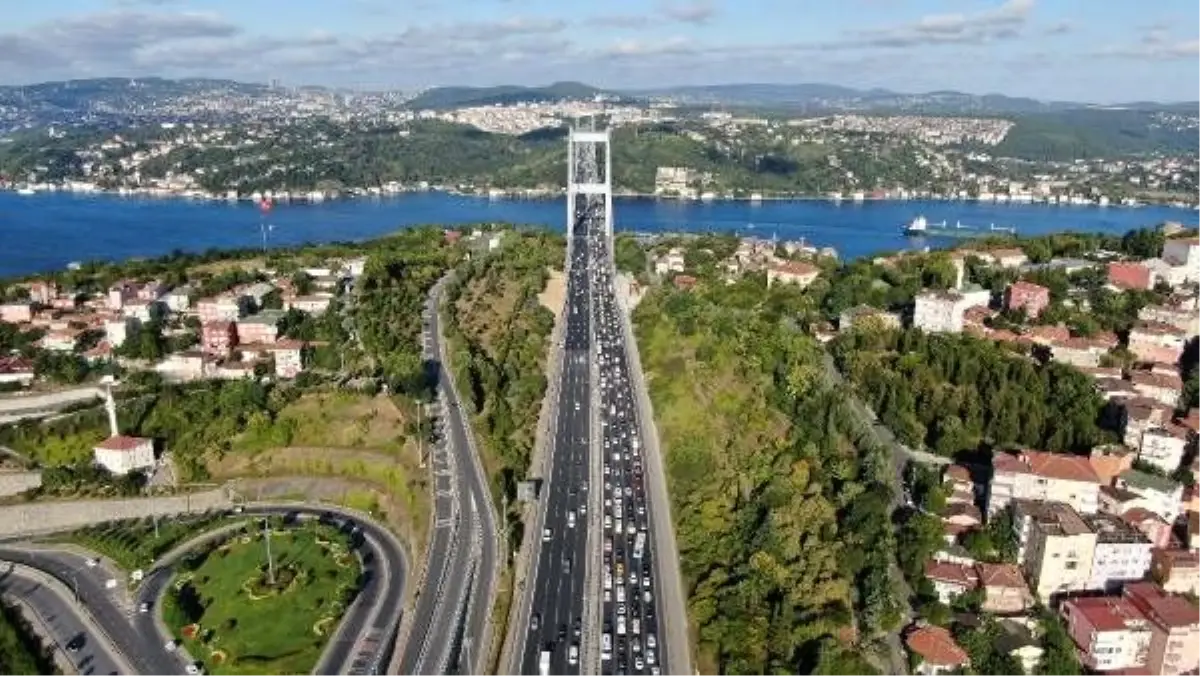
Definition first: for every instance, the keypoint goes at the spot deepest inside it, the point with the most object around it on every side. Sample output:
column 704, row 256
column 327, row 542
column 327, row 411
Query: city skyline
column 1065, row 50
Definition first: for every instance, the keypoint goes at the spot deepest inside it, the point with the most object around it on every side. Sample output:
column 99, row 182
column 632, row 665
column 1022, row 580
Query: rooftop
column 1108, row 613
column 1063, row 466
column 1137, row 479
column 122, row 442
column 1052, row 518
column 1111, row 529
column 936, row 646
column 1160, row 607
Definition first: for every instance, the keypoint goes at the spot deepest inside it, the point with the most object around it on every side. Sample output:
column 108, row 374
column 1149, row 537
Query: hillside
column 1091, row 133
column 459, row 97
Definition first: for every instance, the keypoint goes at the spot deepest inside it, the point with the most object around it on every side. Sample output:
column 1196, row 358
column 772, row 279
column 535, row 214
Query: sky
column 1102, row 51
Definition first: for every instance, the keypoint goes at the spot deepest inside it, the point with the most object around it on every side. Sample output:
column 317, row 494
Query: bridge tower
column 589, row 173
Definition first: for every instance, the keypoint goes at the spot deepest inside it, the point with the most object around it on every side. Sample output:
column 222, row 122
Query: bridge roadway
column 557, row 582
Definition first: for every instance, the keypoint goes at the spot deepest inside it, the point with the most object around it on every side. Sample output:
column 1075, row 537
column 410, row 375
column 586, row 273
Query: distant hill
column 1093, row 133
column 460, row 97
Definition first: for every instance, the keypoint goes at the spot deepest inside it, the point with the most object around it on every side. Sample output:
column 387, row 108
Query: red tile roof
column 1050, row 465
column 1000, row 575
column 121, row 442
column 1106, row 613
column 936, row 646
column 952, row 573
column 1161, row 608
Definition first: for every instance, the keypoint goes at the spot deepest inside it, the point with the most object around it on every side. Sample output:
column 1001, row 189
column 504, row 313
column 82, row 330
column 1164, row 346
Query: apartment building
column 1055, row 547
column 939, row 311
column 1184, row 252
column 1153, row 526
column 1028, row 297
column 1158, row 494
column 1164, row 447
column 1174, row 629
column 1122, row 552
column 117, row 331
column 1037, row 475
column 1157, row 342
column 1139, row 414
column 262, row 327
column 672, row 261
column 1177, row 571
column 223, row 308
column 218, row 337
column 1110, row 633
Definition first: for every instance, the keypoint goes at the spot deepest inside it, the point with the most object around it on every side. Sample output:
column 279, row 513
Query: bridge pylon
column 589, row 174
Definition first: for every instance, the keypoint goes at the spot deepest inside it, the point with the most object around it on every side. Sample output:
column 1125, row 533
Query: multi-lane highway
column 557, row 582
column 449, row 631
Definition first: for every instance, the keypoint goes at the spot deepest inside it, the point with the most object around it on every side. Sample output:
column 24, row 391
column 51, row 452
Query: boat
column 916, row 227
column 25, row 190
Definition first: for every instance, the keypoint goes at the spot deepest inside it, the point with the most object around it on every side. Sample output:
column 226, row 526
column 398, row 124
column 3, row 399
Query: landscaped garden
column 138, row 543
column 237, row 616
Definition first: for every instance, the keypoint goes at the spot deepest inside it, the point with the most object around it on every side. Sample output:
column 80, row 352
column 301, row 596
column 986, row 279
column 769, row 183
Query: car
column 577, row 627
column 76, row 643
column 639, row 663
column 651, row 658
column 192, row 669
column 535, row 621
column 547, row 534
column 620, row 610
column 93, row 562
column 573, row 655
column 647, row 596
column 171, row 645
column 143, row 607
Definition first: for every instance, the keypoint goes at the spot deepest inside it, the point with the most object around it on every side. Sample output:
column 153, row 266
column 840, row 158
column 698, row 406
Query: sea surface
column 49, row 230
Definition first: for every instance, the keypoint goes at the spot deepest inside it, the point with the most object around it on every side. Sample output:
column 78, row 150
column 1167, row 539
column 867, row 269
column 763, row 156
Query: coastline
column 542, row 195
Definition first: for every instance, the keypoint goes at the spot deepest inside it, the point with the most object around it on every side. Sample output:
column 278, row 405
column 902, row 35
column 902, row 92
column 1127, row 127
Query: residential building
column 961, row 486
column 950, row 579
column 1154, row 527
column 939, row 311
column 1056, row 547
column 1161, row 495
column 16, row 313
column 314, row 304
column 1009, row 258
column 1080, row 351
column 672, row 261
column 218, row 337
column 1129, row 276
column 958, row 518
column 1031, row 298
column 865, row 315
column 42, row 291
column 1176, row 570
column 262, row 327
column 223, row 308
column 183, row 366
column 117, row 331
column 121, row 293
column 289, row 358
column 1139, row 414
column 256, row 292
column 1174, row 627
column 1038, row 475
column 1156, row 342
column 178, row 299
column 1109, row 460
column 1164, row 388
column 1122, row 552
column 1184, row 252
column 1164, row 446
column 59, row 340
column 792, row 272
column 15, row 369
column 935, row 649
column 1005, row 591
column 1109, row 631
column 232, row 370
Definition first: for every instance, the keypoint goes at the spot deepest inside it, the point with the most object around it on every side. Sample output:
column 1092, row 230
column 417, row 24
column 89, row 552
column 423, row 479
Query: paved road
column 557, row 582
column 60, row 620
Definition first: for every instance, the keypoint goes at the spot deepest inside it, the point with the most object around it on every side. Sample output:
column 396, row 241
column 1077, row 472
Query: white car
column 573, row 655
column 192, row 670
column 547, row 534
column 170, row 646
column 651, row 641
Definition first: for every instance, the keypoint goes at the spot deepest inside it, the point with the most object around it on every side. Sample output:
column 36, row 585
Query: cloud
column 697, row 12
column 1002, row 23
column 1154, row 50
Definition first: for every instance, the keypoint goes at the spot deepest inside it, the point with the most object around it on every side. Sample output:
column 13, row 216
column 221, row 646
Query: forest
column 21, row 651
column 952, row 393
column 782, row 512
column 498, row 334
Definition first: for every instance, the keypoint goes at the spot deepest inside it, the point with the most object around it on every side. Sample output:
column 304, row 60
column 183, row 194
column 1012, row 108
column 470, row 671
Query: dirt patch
column 553, row 296
column 338, row 420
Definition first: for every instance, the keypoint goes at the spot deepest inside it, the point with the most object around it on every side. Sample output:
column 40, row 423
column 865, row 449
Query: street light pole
column 270, row 560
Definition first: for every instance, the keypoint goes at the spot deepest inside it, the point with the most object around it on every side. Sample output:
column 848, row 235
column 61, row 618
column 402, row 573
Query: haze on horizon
column 1105, row 51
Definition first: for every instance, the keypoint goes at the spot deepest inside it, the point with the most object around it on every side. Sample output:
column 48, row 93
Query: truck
column 544, row 663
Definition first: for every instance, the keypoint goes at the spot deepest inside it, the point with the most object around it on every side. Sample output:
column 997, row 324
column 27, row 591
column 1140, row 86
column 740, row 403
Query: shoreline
column 519, row 195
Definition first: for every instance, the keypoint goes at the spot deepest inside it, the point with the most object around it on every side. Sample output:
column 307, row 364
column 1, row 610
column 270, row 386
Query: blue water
column 47, row 231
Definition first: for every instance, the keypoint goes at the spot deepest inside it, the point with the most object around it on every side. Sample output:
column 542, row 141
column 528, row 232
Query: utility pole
column 421, row 433
column 270, row 560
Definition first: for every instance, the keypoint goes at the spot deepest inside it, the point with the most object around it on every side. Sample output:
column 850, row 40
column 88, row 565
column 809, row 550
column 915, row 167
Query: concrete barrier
column 15, row 483
column 36, row 518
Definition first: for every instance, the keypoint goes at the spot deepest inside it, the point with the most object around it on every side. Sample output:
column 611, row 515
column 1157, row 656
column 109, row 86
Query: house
column 451, row 236
column 42, row 291
column 1131, row 276
column 218, row 337
column 792, row 272
column 1122, row 552
column 120, row 293
column 16, row 313
column 1164, row 446
column 960, row 484
column 958, row 518
column 1083, row 352
column 1109, row 460
column 232, row 370
column 1180, row 315
column 1138, row 414
column 1055, row 547
column 178, row 299
column 1156, row 341
column 1174, row 627
column 1161, row 387
column 314, row 304
column 15, row 369
column 1153, row 526
column 1110, row 632
column 1038, row 475
column 183, row 366
column 672, row 261
column 935, row 649
column 223, row 308
column 1008, row 258
column 262, row 327
column 289, row 358
column 865, row 315
column 950, row 579
column 59, row 340
column 256, row 292
column 939, row 311
column 1047, row 335
column 1028, row 297
column 354, row 267
column 1176, row 570
column 1115, row 389
column 1160, row 494
column 1184, row 252
column 1004, row 588
column 117, row 331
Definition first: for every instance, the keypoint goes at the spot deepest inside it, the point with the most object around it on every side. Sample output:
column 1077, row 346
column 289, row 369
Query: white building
column 672, row 261
column 121, row 454
column 1164, row 446
column 1122, row 552
column 117, row 331
column 1043, row 477
column 178, row 300
column 939, row 311
column 1161, row 495
column 1184, row 252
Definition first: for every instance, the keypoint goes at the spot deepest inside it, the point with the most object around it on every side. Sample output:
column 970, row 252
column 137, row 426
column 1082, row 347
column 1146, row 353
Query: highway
column 451, row 625
column 557, row 582
column 60, row 620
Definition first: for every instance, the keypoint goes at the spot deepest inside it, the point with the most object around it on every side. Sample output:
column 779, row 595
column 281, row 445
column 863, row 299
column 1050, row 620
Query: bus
column 639, row 544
